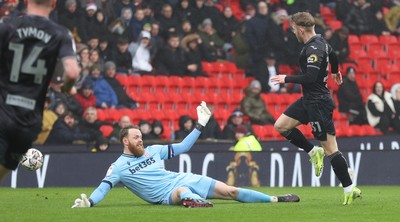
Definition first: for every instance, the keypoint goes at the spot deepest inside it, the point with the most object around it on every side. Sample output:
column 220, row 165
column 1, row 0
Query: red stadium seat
column 387, row 39
column 353, row 39
column 369, row 39
column 106, row 130
column 334, row 24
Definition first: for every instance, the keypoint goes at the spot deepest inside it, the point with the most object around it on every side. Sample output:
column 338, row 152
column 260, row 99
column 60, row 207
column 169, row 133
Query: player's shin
column 340, row 168
column 296, row 137
column 251, row 196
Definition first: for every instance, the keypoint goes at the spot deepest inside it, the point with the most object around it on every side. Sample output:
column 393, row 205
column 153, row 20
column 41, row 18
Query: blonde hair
column 303, row 19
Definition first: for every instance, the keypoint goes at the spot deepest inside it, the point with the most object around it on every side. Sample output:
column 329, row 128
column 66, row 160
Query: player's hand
column 338, row 78
column 278, row 79
column 203, row 114
column 81, row 202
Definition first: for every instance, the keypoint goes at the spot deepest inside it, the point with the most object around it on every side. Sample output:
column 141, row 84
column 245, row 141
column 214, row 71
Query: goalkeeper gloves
column 82, row 202
column 203, row 114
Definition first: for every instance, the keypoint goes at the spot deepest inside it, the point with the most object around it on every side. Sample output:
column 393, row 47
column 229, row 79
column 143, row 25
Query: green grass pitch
column 379, row 203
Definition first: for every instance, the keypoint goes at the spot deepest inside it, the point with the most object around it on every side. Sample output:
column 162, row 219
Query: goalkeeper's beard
column 136, row 149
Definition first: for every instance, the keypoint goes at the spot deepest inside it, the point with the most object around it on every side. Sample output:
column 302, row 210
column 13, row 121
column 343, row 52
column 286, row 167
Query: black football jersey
column 29, row 49
column 315, row 55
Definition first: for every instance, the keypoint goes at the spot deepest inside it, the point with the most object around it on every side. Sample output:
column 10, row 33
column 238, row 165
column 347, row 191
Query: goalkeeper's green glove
column 203, row 114
column 82, row 202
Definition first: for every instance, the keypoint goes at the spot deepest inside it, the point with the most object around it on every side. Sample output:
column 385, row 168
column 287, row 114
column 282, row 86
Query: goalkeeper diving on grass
column 142, row 171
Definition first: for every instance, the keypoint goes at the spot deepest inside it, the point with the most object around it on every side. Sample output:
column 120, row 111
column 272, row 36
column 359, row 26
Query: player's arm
column 97, row 195
column 336, row 75
column 314, row 58
column 69, row 61
column 203, row 115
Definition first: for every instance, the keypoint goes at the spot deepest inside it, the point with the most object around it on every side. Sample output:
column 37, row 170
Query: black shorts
column 15, row 140
column 317, row 112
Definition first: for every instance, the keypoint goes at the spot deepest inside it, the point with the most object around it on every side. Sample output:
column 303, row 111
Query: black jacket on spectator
column 341, row 47
column 227, row 27
column 88, row 27
column 182, row 132
column 170, row 62
column 257, row 29
column 359, row 19
column 71, row 21
column 123, row 61
column 123, row 98
column 63, row 134
column 212, row 130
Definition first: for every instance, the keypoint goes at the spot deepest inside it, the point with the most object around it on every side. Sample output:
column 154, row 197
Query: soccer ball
column 32, row 159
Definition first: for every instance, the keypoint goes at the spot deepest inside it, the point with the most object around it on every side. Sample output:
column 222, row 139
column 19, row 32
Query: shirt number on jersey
column 39, row 71
column 315, row 127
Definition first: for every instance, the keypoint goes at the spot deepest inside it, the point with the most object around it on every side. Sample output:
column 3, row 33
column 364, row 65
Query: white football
column 32, row 159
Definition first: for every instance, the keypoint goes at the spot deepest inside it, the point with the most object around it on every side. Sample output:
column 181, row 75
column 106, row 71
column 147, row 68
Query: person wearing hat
column 211, row 39
column 85, row 95
column 122, row 57
column 105, row 95
column 235, row 119
column 265, row 71
column 194, row 53
column 245, row 144
column 70, row 18
column 254, row 106
column 124, row 101
column 350, row 99
column 141, row 53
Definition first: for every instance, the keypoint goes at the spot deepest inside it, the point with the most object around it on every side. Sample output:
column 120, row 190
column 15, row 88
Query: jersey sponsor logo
column 312, row 58
column 20, row 101
column 313, row 47
column 142, row 165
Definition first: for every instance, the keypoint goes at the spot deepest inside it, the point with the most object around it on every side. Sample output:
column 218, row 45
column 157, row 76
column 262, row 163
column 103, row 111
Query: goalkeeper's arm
column 97, row 195
column 203, row 115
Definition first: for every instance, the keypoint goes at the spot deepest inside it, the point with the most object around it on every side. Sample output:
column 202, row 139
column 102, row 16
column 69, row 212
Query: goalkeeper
column 142, row 171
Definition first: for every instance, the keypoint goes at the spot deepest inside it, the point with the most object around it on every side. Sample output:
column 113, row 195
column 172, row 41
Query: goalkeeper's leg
column 223, row 191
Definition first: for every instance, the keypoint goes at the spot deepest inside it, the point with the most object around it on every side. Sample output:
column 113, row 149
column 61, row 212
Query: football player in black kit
column 30, row 46
column 316, row 106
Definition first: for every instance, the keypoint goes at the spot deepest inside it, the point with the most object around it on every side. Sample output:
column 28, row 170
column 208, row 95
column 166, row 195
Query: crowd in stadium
column 147, row 62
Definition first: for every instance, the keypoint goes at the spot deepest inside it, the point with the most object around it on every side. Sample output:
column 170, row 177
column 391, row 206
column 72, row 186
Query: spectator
column 194, row 52
column 137, row 24
column 124, row 101
column 122, row 57
column 381, row 111
column 88, row 23
column 158, row 129
column 141, row 54
column 56, row 95
column 392, row 19
column 249, row 12
column 359, row 18
column 277, row 35
column 235, row 119
column 340, row 45
column 240, row 47
column 214, row 14
column 93, row 43
column 118, row 5
column 94, row 57
column 117, row 31
column 91, row 125
column 378, row 25
column 156, row 41
column 84, row 60
column 186, row 125
column 147, row 130
column 65, row 131
column 124, row 121
column 265, row 71
column 245, row 141
column 211, row 40
column 198, row 13
column 186, row 28
column 104, row 93
column 59, row 108
column 71, row 19
column 212, row 130
column 226, row 31
column 395, row 91
column 350, row 99
column 183, row 10
column 169, row 60
column 254, row 106
column 49, row 118
column 104, row 48
column 256, row 34
column 101, row 23
column 85, row 95
column 168, row 21
column 127, row 19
